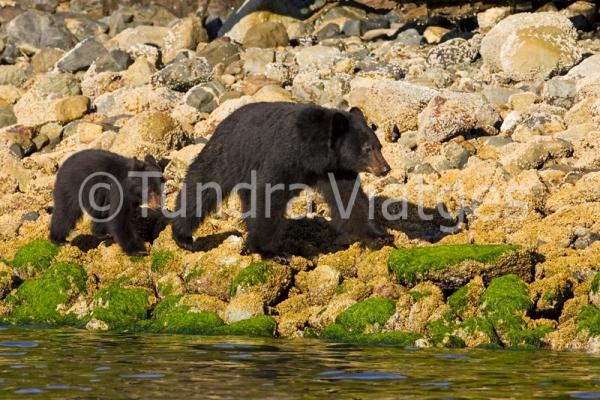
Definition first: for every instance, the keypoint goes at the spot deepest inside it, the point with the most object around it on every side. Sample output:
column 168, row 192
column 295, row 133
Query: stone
column 490, row 17
column 9, row 94
column 220, row 50
column 12, row 75
column 187, row 33
column 272, row 93
column 266, row 35
column 134, row 100
column 71, row 108
column 139, row 73
column 242, row 307
column 434, row 34
column 45, row 59
column 205, row 97
column 58, row 85
column 389, row 105
column 256, row 60
column 81, row 56
column 587, row 67
column 317, row 57
column 7, row 116
column 409, row 37
column 521, row 101
column 184, row 74
column 113, row 61
column 150, row 132
column 531, row 46
column 444, row 118
column 452, row 53
column 34, row 30
column 138, row 36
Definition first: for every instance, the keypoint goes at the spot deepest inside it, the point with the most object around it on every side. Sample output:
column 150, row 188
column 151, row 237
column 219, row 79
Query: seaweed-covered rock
column 367, row 316
column 452, row 266
column 47, row 299
column 120, row 307
column 415, row 308
column 263, row 326
column 34, row 258
column 171, row 316
column 268, row 279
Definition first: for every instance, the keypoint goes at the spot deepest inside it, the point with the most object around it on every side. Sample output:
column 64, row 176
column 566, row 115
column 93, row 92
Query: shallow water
column 72, row 364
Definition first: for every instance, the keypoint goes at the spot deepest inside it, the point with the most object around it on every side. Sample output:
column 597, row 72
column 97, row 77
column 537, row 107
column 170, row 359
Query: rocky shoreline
column 488, row 116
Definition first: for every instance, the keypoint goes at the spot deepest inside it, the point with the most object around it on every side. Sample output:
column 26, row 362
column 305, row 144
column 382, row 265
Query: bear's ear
column 357, row 111
column 339, row 127
column 149, row 159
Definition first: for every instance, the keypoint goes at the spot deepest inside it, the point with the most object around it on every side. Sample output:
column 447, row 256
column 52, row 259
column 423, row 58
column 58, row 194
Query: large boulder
column 531, row 46
column 34, row 30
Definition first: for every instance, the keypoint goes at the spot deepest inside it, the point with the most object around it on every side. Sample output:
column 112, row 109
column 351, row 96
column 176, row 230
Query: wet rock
column 531, row 46
column 242, row 307
column 266, row 35
column 183, row 74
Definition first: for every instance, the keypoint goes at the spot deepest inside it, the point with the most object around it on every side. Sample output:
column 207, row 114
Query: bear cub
column 109, row 188
column 270, row 145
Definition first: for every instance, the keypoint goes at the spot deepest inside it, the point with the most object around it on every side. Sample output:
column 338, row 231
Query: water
column 71, row 364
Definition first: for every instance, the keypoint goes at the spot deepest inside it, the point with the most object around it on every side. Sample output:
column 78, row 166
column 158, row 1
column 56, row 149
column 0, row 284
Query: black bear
column 269, row 144
column 109, row 188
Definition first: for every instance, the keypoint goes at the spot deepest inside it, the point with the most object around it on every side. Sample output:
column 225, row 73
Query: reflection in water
column 71, row 364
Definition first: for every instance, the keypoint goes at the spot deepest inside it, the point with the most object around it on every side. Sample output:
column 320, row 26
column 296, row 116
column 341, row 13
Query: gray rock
column 499, row 95
column 409, row 37
column 452, row 53
column 587, row 67
column 560, row 92
column 351, row 28
column 329, row 31
column 256, row 60
column 372, row 24
column 7, row 117
column 317, row 57
column 34, row 30
column 115, row 61
column 183, row 75
column 220, row 50
column 82, row 56
column 205, row 97
column 31, row 216
column 456, row 155
column 62, row 85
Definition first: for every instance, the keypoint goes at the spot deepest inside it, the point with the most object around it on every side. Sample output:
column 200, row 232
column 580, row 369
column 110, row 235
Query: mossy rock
column 46, row 299
column 262, row 326
column 367, row 314
column 452, row 266
column 504, row 303
column 589, row 319
column 480, row 331
column 595, row 284
column 169, row 316
column 254, row 274
column 34, row 257
column 121, row 307
column 160, row 260
column 264, row 277
column 338, row 333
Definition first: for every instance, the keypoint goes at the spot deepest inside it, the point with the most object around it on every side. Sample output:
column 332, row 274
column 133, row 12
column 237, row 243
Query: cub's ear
column 149, row 159
column 357, row 111
column 137, row 165
column 339, row 126
column 162, row 163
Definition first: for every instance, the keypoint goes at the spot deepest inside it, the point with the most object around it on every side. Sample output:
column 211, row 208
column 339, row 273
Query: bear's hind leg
column 65, row 215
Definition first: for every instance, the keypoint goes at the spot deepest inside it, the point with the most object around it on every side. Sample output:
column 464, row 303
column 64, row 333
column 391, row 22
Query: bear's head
column 355, row 144
column 146, row 175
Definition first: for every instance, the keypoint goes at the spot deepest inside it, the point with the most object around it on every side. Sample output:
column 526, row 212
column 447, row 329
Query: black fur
column 122, row 227
column 285, row 143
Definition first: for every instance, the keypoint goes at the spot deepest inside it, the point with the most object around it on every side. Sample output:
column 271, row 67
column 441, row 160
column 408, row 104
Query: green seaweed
column 36, row 255
column 476, row 325
column 45, row 299
column 160, row 260
column 442, row 333
column 589, row 319
column 338, row 333
column 121, row 308
column 596, row 283
column 171, row 317
column 505, row 296
column 362, row 315
column 417, row 296
column 411, row 264
column 262, row 326
column 459, row 300
column 254, row 274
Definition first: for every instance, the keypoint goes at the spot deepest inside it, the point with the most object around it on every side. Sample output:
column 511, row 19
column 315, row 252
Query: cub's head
column 355, row 144
column 146, row 176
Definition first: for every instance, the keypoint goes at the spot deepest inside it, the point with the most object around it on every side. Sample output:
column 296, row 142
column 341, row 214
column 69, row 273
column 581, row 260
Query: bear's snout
column 377, row 165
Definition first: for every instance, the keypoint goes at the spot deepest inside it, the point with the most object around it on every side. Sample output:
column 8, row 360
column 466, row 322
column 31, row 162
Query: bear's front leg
column 121, row 226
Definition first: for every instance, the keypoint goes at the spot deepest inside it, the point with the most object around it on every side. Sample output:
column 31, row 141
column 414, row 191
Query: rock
column 243, row 307
column 9, row 94
column 256, row 60
column 183, row 74
column 138, row 36
column 272, row 93
column 585, row 9
column 12, row 75
column 317, row 57
column 34, row 30
column 490, row 17
column 323, row 91
column 255, row 12
column 452, row 53
column 185, row 34
column 444, row 118
column 319, row 284
column 81, row 56
column 266, row 35
column 220, row 50
column 71, row 108
column 154, row 133
column 332, row 30
column 434, row 34
column 7, row 117
column 538, row 124
column 409, row 37
column 206, row 128
column 58, row 85
column 517, row 157
column 139, row 73
column 521, row 101
column 45, row 59
column 531, row 46
column 587, row 67
column 136, row 100
column 205, row 97
column 390, row 105
column 113, row 61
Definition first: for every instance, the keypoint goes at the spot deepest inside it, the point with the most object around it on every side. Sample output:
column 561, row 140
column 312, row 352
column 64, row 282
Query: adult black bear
column 266, row 144
column 109, row 188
